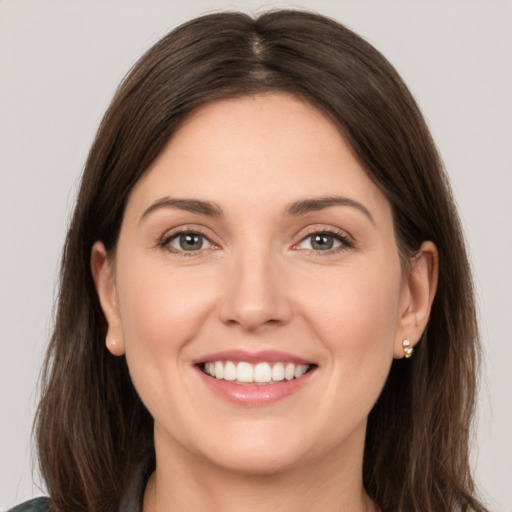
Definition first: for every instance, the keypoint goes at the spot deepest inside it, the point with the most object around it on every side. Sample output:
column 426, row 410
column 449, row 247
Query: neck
column 181, row 483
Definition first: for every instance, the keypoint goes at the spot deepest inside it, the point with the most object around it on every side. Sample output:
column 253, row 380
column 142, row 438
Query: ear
column 104, row 279
column 418, row 294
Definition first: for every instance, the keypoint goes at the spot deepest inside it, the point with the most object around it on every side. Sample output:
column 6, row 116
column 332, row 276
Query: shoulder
column 34, row 505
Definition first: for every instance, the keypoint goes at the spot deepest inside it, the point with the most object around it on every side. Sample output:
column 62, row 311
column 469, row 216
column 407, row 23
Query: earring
column 408, row 350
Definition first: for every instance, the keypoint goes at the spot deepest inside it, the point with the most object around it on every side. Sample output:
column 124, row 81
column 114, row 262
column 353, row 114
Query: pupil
column 322, row 242
column 191, row 242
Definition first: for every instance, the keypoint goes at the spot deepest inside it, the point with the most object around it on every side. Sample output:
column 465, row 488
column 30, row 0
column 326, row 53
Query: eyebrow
column 190, row 205
column 319, row 203
column 295, row 209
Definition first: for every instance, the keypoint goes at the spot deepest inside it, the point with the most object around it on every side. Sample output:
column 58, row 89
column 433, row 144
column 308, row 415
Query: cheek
column 354, row 307
column 161, row 311
column 355, row 314
column 356, row 322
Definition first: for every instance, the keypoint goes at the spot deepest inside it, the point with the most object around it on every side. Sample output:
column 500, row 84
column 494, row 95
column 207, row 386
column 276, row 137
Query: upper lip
column 269, row 356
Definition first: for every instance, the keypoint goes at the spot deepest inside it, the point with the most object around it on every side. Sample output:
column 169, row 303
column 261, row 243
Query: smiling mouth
column 261, row 373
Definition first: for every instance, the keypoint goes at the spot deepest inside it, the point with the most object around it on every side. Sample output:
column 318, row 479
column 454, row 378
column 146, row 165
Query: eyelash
column 345, row 241
column 340, row 236
column 166, row 240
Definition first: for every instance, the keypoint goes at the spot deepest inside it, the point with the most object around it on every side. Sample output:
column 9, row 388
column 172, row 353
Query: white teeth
column 219, row 370
column 261, row 373
column 230, row 372
column 300, row 370
column 289, row 371
column 244, row 372
column 278, row 372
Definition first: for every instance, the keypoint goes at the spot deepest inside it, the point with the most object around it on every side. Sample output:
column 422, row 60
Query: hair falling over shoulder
column 93, row 430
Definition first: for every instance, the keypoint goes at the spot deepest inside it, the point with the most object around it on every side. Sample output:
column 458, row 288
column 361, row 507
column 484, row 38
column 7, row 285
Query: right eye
column 187, row 241
column 321, row 242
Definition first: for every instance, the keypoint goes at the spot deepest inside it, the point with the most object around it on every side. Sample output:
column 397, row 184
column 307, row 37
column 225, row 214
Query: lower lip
column 253, row 395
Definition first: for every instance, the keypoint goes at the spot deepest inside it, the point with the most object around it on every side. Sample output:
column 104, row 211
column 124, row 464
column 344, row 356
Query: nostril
column 255, row 296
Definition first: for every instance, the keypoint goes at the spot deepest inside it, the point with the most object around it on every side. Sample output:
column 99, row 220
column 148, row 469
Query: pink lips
column 253, row 395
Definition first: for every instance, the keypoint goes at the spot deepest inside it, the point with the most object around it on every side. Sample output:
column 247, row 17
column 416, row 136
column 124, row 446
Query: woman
column 263, row 238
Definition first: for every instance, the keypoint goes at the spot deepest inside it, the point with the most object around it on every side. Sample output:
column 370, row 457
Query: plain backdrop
column 60, row 63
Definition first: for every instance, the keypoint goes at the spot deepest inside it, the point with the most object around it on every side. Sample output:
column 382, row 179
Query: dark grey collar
column 134, row 496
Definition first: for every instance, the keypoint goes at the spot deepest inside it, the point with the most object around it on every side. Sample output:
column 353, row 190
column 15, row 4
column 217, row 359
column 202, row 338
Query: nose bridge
column 255, row 294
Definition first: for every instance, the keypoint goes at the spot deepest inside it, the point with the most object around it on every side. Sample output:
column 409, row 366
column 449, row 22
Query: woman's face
column 256, row 249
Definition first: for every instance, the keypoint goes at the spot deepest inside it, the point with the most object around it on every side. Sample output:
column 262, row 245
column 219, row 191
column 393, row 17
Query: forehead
column 257, row 150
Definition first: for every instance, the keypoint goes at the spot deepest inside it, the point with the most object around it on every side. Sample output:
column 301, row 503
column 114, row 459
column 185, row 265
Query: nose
column 256, row 293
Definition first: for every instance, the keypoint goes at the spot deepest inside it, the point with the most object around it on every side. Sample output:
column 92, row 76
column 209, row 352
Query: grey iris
column 191, row 242
column 322, row 242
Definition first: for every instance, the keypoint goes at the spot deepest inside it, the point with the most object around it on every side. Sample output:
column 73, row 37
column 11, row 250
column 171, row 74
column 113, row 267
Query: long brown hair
column 93, row 430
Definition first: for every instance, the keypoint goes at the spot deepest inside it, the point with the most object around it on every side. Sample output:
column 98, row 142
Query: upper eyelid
column 347, row 241
column 179, row 230
column 306, row 232
column 171, row 234
column 318, row 229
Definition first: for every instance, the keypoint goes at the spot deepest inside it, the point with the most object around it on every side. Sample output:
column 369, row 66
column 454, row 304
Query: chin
column 265, row 449
column 258, row 462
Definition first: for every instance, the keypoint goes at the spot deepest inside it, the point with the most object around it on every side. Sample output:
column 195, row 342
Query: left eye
column 188, row 242
column 320, row 242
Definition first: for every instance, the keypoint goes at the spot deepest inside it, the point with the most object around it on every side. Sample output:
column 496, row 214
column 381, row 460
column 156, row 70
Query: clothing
column 35, row 505
column 131, row 502
column 43, row 505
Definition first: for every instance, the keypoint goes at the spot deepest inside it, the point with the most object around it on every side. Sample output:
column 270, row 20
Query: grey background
column 60, row 63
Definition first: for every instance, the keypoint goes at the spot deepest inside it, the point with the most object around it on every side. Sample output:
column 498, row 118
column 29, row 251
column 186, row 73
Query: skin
column 259, row 284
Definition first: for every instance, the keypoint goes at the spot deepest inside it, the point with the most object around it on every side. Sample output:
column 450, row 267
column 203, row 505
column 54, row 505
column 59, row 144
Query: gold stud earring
column 408, row 350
